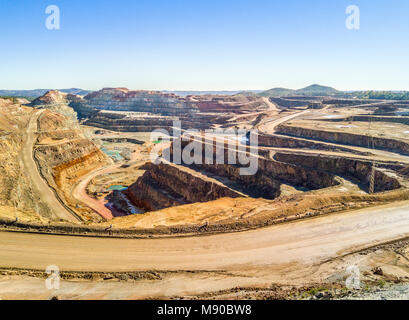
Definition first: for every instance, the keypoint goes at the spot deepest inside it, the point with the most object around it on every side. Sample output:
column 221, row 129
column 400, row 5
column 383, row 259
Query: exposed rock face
column 121, row 109
column 401, row 119
column 265, row 183
column 152, row 109
column 123, row 122
column 358, row 169
column 64, row 155
column 270, row 173
column 231, row 104
column 50, row 98
column 346, row 138
column 297, row 175
column 122, row 99
column 17, row 190
column 259, row 185
column 61, row 154
column 165, row 185
column 278, row 141
column 4, row 102
column 58, row 103
column 66, row 159
column 296, row 102
column 128, row 123
column 404, row 171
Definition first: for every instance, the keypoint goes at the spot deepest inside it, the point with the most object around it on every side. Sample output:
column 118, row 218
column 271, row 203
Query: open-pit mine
column 80, row 190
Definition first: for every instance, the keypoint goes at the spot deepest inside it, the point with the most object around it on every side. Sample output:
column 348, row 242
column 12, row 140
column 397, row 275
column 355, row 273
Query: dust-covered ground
column 383, row 274
column 304, row 259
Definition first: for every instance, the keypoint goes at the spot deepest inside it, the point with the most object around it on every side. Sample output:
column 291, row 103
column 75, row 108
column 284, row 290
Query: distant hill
column 313, row 90
column 317, row 90
column 33, row 94
column 277, row 92
column 247, row 93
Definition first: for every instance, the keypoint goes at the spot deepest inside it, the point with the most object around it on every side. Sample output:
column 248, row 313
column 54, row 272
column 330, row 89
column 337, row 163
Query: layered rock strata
column 228, row 104
column 278, row 141
column 122, row 99
column 346, row 138
column 65, row 155
column 167, row 185
column 385, row 178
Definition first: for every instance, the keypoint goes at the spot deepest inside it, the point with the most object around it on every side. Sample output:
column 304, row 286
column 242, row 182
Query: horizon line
column 199, row 90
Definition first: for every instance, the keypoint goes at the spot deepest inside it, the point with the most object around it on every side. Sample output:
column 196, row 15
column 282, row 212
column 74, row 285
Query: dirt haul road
column 46, row 194
column 303, row 242
column 80, row 192
column 268, row 125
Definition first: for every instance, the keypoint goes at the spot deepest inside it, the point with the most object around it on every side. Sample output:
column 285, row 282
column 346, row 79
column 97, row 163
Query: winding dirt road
column 45, row 192
column 306, row 242
column 80, row 192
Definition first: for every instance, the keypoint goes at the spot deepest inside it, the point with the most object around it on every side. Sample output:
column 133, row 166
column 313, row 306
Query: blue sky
column 204, row 45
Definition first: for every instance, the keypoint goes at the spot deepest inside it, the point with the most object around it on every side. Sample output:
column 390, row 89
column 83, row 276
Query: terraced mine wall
column 57, row 135
column 346, row 138
column 123, row 140
column 404, row 171
column 231, row 104
column 17, row 189
column 403, row 120
column 348, row 102
column 277, row 141
column 67, row 161
column 120, row 123
column 50, row 121
column 164, row 185
column 348, row 167
column 63, row 164
column 287, row 103
column 123, row 123
column 122, row 99
column 82, row 109
column 259, row 185
column 269, row 176
column 76, row 167
column 367, row 118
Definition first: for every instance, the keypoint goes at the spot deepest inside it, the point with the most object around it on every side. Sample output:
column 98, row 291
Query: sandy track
column 309, row 241
column 80, row 192
column 272, row 106
column 268, row 125
column 46, row 194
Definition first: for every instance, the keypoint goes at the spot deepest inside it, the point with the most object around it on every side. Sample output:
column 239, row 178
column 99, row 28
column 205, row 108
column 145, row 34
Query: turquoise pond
column 117, row 188
column 116, row 154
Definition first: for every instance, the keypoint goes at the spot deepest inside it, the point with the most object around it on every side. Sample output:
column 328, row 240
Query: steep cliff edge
column 64, row 155
column 18, row 192
column 280, row 141
column 167, row 185
column 385, row 177
column 346, row 138
column 122, row 99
